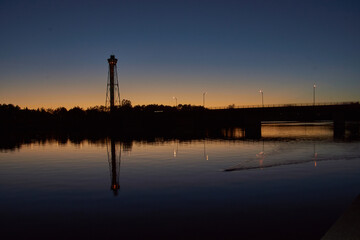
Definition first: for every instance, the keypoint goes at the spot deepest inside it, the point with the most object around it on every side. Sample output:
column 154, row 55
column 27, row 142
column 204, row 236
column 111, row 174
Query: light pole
column 175, row 101
column 262, row 97
column 314, row 94
column 204, row 99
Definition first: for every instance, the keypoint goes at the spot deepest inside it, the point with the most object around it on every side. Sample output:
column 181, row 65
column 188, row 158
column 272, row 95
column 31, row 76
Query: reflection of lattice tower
column 114, row 159
column 112, row 89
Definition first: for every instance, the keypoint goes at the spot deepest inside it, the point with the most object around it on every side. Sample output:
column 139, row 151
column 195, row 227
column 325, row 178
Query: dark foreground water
column 293, row 183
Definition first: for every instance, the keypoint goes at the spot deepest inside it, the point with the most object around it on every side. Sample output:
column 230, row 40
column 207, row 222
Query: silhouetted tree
column 60, row 111
column 126, row 103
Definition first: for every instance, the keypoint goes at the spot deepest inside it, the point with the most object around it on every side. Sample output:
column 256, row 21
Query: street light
column 175, row 101
column 314, row 94
column 204, row 99
column 262, row 97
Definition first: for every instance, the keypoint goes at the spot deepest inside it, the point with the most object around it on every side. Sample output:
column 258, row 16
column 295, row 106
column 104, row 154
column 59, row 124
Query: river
column 293, row 183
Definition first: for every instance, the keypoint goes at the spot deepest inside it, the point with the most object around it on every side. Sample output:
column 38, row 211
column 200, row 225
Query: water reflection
column 114, row 160
column 261, row 155
column 58, row 177
column 315, row 155
column 269, row 131
column 176, row 148
column 233, row 133
column 206, row 156
column 315, row 131
column 296, row 154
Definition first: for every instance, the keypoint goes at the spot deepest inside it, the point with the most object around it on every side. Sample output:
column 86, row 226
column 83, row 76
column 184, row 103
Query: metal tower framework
column 112, row 89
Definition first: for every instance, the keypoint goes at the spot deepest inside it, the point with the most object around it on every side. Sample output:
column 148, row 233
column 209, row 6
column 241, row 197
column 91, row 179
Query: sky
column 54, row 53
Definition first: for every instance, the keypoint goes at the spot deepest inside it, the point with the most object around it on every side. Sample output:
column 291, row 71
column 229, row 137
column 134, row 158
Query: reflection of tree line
column 14, row 140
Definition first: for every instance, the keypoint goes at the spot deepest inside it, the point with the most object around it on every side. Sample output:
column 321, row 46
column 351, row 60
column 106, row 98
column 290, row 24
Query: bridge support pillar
column 354, row 129
column 253, row 129
column 339, row 125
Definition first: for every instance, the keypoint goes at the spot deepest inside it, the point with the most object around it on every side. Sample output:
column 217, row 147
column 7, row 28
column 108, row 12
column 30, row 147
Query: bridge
column 250, row 117
column 283, row 105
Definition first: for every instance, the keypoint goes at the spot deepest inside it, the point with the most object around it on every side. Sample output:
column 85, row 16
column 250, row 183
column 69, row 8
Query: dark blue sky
column 53, row 53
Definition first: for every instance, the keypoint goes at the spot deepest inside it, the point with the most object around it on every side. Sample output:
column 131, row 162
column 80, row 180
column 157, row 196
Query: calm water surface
column 291, row 184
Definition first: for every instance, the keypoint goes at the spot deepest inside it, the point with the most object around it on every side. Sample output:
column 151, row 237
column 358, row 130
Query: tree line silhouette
column 98, row 118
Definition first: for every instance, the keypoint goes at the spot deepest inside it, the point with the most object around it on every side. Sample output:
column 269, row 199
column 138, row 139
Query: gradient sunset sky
column 54, row 53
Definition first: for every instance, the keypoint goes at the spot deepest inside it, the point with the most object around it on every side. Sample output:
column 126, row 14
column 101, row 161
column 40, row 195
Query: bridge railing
column 284, row 105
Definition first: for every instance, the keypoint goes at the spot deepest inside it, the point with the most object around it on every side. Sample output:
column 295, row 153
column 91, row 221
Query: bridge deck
column 285, row 105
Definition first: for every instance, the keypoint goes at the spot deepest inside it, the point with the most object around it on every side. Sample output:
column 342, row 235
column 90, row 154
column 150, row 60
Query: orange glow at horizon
column 69, row 93
column 86, row 100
